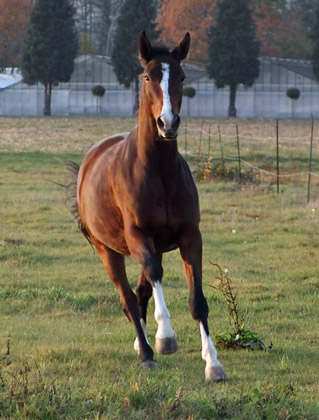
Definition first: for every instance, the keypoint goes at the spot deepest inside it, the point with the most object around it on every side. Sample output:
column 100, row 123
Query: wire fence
column 277, row 159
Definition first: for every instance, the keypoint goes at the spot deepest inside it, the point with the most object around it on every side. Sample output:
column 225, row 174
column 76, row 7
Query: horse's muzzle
column 166, row 131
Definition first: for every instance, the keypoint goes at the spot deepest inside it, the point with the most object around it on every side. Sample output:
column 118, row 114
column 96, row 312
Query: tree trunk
column 232, row 112
column 115, row 13
column 137, row 93
column 47, row 99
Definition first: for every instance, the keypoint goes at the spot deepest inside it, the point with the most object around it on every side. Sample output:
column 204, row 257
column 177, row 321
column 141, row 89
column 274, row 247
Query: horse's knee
column 153, row 269
column 198, row 306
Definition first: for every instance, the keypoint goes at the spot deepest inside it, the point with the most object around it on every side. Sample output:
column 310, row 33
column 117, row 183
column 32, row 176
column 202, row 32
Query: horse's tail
column 71, row 196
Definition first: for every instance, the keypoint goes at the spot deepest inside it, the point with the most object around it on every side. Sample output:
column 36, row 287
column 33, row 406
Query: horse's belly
column 107, row 227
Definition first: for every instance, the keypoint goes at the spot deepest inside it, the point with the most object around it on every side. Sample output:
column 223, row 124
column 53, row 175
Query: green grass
column 71, row 348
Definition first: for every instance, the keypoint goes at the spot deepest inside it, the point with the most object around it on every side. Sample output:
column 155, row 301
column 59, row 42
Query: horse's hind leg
column 115, row 267
column 191, row 252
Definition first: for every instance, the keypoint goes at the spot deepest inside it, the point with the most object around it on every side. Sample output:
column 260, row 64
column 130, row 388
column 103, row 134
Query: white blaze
column 166, row 114
column 161, row 313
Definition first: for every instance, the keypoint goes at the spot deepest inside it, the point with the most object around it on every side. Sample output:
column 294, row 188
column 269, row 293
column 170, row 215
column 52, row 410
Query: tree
column 115, row 11
column 233, row 48
column 280, row 5
column 98, row 91
column 280, row 28
column 135, row 16
column 280, row 31
column 176, row 17
column 84, row 15
column 315, row 42
column 190, row 93
column 50, row 46
column 14, row 16
column 86, row 45
column 306, row 10
column 268, row 20
column 103, row 23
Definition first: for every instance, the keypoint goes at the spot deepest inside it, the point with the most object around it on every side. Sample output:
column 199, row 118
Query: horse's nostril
column 160, row 123
column 176, row 121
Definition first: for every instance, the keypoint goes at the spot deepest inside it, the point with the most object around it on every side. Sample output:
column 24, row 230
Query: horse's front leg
column 142, row 250
column 143, row 294
column 191, row 253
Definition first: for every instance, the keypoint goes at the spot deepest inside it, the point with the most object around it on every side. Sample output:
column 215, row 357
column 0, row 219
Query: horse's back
column 106, row 143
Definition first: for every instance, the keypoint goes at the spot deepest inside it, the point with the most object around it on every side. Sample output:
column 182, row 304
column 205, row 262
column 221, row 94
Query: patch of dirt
column 11, row 243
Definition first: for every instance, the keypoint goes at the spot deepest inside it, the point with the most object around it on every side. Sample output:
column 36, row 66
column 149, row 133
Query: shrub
column 189, row 91
column 98, row 90
column 293, row 93
column 240, row 337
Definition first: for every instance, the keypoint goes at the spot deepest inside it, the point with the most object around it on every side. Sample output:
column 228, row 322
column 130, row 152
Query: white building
column 267, row 98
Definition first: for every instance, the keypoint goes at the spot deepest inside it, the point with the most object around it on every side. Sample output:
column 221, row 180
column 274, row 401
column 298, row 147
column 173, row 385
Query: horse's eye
column 183, row 78
column 146, row 78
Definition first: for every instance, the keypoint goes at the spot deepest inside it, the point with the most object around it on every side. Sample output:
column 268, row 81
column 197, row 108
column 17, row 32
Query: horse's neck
column 151, row 150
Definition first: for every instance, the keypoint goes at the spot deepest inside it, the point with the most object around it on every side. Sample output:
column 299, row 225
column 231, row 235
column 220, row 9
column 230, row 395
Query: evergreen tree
column 50, row 46
column 233, row 48
column 135, row 16
column 306, row 10
column 315, row 41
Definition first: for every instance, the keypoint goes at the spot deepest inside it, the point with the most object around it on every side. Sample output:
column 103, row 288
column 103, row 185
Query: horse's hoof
column 149, row 364
column 166, row 345
column 215, row 374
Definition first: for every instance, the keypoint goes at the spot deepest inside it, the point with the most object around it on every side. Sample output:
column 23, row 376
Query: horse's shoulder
column 95, row 152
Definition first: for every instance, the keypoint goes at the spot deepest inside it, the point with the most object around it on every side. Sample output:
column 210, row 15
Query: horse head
column 163, row 83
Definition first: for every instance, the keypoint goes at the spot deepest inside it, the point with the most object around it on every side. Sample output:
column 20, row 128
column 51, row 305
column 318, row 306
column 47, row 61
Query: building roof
column 9, row 78
column 301, row 67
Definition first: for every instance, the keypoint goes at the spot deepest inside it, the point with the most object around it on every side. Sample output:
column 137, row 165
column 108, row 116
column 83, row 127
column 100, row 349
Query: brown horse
column 136, row 196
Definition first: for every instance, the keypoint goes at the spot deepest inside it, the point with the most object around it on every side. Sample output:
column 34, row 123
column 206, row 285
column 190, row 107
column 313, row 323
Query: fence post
column 277, row 153
column 185, row 137
column 209, row 141
column 200, row 143
column 238, row 153
column 221, row 146
column 310, row 160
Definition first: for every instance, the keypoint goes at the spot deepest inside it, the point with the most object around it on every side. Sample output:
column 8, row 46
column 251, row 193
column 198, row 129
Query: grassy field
column 70, row 353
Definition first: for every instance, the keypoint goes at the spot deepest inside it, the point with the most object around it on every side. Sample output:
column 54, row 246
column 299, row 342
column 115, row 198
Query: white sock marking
column 161, row 313
column 209, row 353
column 136, row 342
column 167, row 114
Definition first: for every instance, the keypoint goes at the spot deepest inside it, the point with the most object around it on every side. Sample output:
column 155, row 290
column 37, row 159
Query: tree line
column 43, row 37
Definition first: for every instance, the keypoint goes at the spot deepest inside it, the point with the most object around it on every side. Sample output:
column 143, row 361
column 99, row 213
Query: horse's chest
column 164, row 208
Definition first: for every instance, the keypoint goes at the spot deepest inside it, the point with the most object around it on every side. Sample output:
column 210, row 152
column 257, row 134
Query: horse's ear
column 181, row 51
column 144, row 48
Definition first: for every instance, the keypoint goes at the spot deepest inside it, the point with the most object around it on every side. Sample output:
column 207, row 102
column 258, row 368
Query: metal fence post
column 238, row 153
column 277, row 153
column 310, row 160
